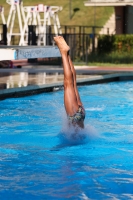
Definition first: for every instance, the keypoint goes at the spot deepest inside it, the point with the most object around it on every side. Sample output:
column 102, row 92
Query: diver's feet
column 61, row 43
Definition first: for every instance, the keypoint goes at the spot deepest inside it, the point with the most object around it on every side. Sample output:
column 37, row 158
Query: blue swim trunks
column 78, row 116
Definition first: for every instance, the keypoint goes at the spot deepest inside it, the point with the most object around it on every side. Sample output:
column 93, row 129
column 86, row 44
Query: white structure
column 30, row 15
column 15, row 8
column 2, row 14
column 3, row 20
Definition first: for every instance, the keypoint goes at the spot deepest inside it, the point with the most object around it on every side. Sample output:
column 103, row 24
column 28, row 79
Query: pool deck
column 31, row 80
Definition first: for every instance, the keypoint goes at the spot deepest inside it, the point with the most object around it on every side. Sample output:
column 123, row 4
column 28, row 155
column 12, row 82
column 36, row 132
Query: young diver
column 73, row 105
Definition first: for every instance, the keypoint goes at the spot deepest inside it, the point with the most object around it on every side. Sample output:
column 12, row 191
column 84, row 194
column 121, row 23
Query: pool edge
column 36, row 89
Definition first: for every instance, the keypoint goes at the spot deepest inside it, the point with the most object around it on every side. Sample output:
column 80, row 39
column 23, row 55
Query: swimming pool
column 38, row 160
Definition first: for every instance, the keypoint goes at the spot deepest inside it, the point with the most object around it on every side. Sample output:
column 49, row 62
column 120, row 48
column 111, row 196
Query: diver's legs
column 70, row 99
column 74, row 80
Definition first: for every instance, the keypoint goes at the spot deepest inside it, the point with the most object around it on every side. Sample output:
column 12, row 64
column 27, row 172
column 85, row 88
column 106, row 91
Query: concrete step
column 109, row 27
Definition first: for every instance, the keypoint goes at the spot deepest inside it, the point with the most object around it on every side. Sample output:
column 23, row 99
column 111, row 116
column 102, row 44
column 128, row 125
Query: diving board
column 28, row 52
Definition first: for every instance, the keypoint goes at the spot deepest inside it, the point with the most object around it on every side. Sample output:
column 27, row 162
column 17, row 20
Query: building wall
column 124, row 19
column 129, row 20
column 119, row 17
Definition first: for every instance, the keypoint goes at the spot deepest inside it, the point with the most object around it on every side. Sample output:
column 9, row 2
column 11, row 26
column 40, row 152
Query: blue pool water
column 40, row 159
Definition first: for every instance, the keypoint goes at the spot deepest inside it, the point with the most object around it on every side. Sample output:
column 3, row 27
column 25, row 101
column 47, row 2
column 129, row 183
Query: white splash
column 95, row 108
column 73, row 135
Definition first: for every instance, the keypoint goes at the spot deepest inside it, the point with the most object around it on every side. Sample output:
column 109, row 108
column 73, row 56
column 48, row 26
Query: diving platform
column 28, row 52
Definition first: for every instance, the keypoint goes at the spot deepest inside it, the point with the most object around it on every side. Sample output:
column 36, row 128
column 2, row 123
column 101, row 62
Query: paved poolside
column 35, row 79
